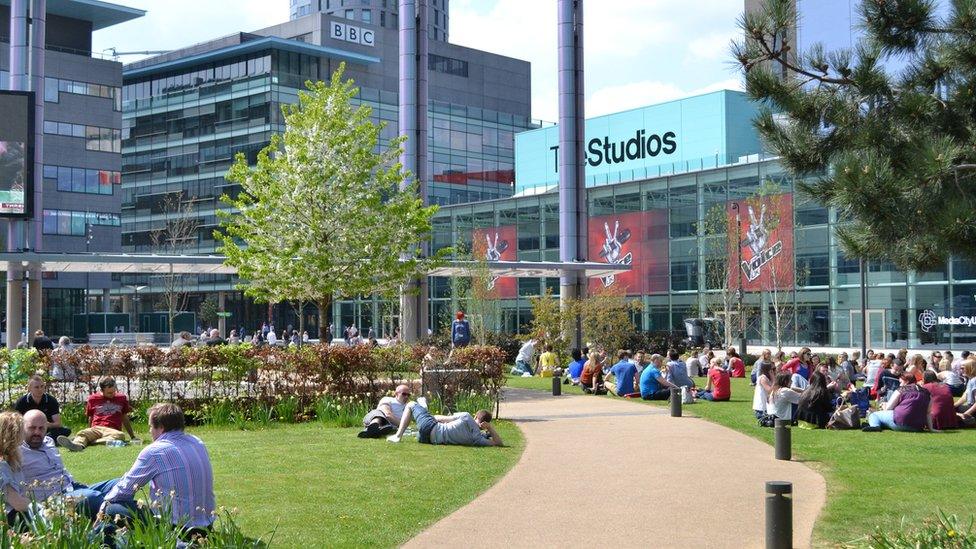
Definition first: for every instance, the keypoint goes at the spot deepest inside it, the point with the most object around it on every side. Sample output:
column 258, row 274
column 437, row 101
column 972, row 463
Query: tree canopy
column 883, row 132
column 327, row 211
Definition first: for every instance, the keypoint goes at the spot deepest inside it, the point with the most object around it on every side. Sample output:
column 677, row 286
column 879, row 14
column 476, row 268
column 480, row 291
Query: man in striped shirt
column 177, row 468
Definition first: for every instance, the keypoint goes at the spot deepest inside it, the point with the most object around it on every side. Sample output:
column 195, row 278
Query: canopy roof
column 214, row 264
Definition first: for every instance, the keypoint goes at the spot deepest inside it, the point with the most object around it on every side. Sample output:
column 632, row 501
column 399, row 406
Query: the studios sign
column 642, row 145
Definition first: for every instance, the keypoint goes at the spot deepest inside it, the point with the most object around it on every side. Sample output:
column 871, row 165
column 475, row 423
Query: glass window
column 78, row 223
column 64, row 179
column 50, row 222
column 64, row 223
column 51, row 90
column 77, row 180
column 91, row 181
column 350, row 14
column 367, row 16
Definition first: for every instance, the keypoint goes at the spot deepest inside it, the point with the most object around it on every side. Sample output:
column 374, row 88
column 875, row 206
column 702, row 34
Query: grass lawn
column 873, row 479
column 324, row 487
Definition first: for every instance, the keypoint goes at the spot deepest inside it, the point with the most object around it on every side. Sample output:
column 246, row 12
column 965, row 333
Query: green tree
column 893, row 149
column 209, row 310
column 327, row 211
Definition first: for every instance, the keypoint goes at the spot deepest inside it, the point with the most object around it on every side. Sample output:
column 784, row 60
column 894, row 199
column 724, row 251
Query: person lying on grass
column 384, row 420
column 459, row 429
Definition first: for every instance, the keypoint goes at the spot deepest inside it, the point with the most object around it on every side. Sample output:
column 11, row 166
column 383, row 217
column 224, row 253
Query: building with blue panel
column 704, row 131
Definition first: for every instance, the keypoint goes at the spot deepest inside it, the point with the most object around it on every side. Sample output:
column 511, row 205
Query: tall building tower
column 382, row 13
column 82, row 156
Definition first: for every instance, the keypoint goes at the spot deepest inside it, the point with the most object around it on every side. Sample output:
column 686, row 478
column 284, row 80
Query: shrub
column 941, row 532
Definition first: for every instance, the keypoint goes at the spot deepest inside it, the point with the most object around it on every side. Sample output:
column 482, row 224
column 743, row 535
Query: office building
column 381, row 13
column 658, row 211
column 187, row 112
column 82, row 149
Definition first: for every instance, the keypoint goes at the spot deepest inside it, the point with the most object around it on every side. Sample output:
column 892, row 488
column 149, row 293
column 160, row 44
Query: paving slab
column 599, row 471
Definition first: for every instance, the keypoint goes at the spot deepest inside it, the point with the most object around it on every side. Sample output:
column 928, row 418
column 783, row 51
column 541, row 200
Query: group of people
column 651, row 376
column 393, row 415
column 176, row 465
column 910, row 393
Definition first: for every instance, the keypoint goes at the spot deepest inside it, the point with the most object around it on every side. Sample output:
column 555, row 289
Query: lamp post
column 135, row 303
column 89, row 236
column 740, row 291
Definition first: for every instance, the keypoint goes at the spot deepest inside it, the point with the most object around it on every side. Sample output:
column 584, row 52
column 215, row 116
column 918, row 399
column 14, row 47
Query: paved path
column 604, row 472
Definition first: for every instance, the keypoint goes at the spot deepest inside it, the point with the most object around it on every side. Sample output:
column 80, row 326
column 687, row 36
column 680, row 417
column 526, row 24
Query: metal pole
column 779, row 515
column 675, row 402
column 783, row 440
column 864, row 309
column 740, row 292
column 572, row 179
column 33, row 237
column 15, row 227
column 557, row 387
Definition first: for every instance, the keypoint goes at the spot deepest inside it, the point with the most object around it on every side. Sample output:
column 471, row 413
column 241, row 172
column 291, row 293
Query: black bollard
column 675, row 402
column 557, row 385
column 779, row 515
column 783, row 440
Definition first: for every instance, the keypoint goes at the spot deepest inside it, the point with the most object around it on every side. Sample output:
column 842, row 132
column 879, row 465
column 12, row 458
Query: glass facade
column 182, row 130
column 823, row 308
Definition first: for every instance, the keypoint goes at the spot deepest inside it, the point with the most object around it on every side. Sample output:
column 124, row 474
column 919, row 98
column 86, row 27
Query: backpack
column 461, row 332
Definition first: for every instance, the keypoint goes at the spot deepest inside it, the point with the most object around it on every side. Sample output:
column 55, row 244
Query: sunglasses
column 404, row 394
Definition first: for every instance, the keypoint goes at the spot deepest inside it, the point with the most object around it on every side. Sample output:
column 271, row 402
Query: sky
column 637, row 53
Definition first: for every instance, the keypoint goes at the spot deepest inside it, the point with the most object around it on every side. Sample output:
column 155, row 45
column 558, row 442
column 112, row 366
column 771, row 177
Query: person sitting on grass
column 384, row 420
column 653, row 386
column 766, row 356
column 907, row 408
column 523, row 362
column 719, row 388
column 942, row 410
column 953, row 379
column 591, row 379
column 678, row 371
column 816, row 404
column 460, row 429
column 176, row 467
column 736, row 367
column 108, row 413
column 11, row 471
column 37, row 399
column 44, row 472
column 764, row 385
column 623, row 372
column 782, row 397
column 575, row 368
column 548, row 361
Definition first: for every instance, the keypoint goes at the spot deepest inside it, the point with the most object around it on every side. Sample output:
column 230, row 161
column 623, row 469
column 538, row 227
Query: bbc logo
column 350, row 33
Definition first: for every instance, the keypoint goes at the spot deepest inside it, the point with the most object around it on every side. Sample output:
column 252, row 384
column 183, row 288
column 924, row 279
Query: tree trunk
column 325, row 312
column 301, row 321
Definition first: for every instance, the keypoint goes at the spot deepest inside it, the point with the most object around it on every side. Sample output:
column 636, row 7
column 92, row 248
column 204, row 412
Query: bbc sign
column 350, row 33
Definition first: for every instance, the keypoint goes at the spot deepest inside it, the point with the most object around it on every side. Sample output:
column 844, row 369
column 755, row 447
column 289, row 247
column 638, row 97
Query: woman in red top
column 736, row 366
column 941, row 407
column 718, row 387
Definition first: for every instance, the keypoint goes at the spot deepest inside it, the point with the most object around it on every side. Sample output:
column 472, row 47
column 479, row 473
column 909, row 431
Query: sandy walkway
column 603, row 472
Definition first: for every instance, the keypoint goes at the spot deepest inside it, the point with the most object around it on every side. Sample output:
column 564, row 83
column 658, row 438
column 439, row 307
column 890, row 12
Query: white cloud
column 612, row 99
column 176, row 24
column 637, row 51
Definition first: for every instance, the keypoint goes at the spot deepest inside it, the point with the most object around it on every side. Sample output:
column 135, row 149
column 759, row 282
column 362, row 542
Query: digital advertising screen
column 498, row 244
column 636, row 239
column 763, row 243
column 16, row 154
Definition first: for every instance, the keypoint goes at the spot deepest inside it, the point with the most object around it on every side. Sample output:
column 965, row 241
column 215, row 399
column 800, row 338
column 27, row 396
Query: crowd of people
column 175, row 465
column 910, row 393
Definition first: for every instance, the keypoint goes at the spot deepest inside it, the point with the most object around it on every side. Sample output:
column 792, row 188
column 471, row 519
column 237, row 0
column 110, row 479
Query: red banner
column 761, row 243
column 497, row 244
column 638, row 239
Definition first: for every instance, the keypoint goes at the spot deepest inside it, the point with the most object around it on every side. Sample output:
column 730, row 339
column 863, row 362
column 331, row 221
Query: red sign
column 497, row 244
column 637, row 239
column 761, row 243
